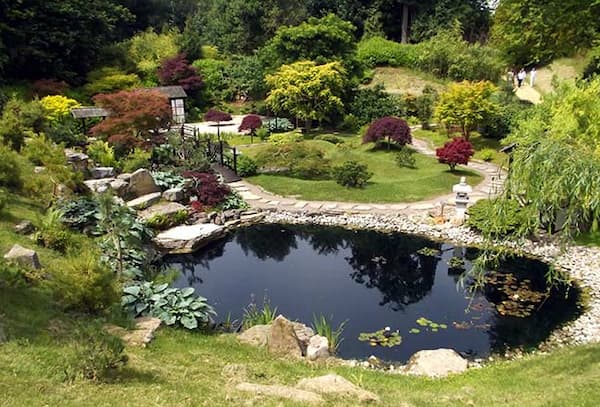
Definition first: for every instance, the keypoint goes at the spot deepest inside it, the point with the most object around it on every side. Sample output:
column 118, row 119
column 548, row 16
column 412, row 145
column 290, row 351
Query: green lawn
column 390, row 183
column 438, row 138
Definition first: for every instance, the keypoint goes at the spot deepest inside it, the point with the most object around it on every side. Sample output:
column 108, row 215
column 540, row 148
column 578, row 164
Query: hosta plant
column 173, row 306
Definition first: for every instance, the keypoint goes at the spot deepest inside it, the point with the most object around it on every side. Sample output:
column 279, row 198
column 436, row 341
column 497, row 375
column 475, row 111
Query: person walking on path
column 532, row 75
column 521, row 77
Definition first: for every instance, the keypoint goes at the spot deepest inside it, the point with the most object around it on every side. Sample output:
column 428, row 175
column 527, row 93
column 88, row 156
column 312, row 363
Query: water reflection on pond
column 373, row 280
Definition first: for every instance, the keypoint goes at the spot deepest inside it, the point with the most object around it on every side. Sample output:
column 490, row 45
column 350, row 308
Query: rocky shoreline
column 582, row 264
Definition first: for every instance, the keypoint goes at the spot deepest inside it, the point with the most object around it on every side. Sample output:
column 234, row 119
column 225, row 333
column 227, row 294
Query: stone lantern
column 462, row 190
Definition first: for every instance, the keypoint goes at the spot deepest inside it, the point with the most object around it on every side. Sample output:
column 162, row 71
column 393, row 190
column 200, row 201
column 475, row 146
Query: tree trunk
column 405, row 15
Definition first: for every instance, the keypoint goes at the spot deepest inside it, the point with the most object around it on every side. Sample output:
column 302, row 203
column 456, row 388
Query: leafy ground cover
column 390, row 183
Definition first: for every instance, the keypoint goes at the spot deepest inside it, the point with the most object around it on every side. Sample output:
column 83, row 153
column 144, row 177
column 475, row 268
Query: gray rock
column 174, row 195
column 188, row 238
column 257, row 335
column 141, row 183
column 142, row 333
column 102, row 172
column 125, row 176
column 165, row 209
column 78, row 161
column 38, row 169
column 436, row 363
column 144, row 201
column 286, row 392
column 336, row 385
column 283, row 339
column 98, row 185
column 304, row 333
column 318, row 348
column 120, row 187
column 26, row 257
column 24, row 227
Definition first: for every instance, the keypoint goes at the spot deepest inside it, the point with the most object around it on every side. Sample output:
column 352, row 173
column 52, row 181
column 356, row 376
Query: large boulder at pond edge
column 23, row 256
column 142, row 183
column 318, row 348
column 283, row 339
column 436, row 363
column 188, row 238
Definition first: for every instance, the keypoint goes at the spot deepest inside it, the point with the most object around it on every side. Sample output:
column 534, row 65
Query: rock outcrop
column 336, row 385
column 188, row 238
column 283, row 339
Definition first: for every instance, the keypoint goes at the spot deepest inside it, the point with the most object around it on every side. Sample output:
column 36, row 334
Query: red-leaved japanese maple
column 390, row 129
column 178, row 71
column 214, row 115
column 140, row 113
column 456, row 151
column 251, row 123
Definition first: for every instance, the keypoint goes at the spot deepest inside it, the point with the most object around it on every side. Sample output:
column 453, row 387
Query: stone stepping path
column 490, row 186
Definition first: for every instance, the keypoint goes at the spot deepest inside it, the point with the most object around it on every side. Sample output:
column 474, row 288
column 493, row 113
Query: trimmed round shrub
column 487, row 154
column 351, row 174
column 330, row 138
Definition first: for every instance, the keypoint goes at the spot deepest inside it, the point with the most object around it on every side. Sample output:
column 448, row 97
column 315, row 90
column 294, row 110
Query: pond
column 373, row 280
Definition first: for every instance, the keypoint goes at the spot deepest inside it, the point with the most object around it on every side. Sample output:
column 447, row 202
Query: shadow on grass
column 132, row 375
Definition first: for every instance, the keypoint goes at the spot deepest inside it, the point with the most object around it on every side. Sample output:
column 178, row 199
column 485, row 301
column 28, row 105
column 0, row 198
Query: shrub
column 246, row 166
column 58, row 107
column 263, row 133
column 377, row 51
column 174, row 306
column 487, row 154
column 51, row 232
column 330, row 138
column 207, row 188
column 161, row 221
column 137, row 159
column 41, row 151
column 66, row 133
column 102, row 153
column 351, row 123
column 3, row 201
column 457, row 151
column 10, row 168
column 167, row 180
column 285, row 138
column 279, row 125
column 351, row 174
column 84, row 284
column 99, row 354
column 20, row 118
column 109, row 80
column 251, row 123
column 178, row 71
column 425, row 105
column 299, row 160
column 405, row 158
column 214, row 115
column 48, row 87
column 233, row 201
column 486, row 217
column 79, row 213
column 391, row 129
column 372, row 103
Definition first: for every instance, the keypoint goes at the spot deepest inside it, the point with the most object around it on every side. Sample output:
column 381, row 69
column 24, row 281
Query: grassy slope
column 405, row 80
column 564, row 69
column 390, row 183
column 187, row 369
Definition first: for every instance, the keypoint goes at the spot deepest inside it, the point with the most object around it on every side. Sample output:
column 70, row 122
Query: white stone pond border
column 581, row 263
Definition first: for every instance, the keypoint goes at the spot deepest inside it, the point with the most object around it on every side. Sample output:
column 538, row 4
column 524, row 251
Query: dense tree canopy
column 535, row 31
column 57, row 38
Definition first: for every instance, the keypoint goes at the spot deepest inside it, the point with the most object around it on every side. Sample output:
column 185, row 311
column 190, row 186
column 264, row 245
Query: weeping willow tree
column 555, row 169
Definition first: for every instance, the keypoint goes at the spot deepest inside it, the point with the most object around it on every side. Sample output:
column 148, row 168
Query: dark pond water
column 373, row 280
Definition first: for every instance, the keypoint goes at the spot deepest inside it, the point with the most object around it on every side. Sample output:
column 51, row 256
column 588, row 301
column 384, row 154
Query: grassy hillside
column 405, row 80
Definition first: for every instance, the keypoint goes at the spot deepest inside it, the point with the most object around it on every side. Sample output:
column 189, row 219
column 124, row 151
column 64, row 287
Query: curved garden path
column 259, row 198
